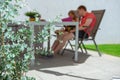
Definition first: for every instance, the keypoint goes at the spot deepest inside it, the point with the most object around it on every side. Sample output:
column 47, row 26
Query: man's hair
column 82, row 7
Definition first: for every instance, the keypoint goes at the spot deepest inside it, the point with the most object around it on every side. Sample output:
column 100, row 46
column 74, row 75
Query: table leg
column 32, row 44
column 76, row 44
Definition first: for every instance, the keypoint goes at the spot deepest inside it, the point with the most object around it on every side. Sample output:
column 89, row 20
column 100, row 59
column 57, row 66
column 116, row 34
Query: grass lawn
column 111, row 49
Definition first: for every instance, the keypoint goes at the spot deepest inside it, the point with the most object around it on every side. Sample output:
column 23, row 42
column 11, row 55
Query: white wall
column 110, row 26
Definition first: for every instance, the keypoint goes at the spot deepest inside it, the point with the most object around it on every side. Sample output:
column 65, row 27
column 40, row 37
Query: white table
column 32, row 24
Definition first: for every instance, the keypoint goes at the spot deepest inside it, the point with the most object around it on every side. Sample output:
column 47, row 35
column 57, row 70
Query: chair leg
column 97, row 48
column 80, row 46
column 64, row 49
column 70, row 45
column 66, row 46
column 84, row 47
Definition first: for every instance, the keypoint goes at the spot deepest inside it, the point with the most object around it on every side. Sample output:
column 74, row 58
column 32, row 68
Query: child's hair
column 73, row 12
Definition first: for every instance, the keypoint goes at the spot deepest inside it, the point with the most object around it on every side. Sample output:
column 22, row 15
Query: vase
column 32, row 19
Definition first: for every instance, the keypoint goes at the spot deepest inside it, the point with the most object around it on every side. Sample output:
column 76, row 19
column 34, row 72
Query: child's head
column 72, row 14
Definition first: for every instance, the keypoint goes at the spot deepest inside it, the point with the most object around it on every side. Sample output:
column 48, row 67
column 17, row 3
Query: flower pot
column 32, row 19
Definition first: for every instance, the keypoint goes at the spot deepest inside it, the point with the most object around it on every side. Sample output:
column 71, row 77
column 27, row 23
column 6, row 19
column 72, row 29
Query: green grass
column 111, row 49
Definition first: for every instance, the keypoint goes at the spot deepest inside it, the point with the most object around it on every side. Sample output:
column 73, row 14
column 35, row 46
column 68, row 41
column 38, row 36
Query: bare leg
column 55, row 44
column 65, row 39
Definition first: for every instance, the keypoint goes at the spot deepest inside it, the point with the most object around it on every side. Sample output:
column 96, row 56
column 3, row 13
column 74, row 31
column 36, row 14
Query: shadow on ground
column 63, row 74
column 59, row 60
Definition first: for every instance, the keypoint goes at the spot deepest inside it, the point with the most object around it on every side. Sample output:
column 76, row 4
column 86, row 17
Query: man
column 87, row 20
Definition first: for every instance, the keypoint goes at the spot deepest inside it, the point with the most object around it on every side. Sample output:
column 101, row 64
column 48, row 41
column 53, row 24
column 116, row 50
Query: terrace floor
column 90, row 67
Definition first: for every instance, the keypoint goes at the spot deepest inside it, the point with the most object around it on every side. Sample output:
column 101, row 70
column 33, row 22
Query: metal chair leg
column 70, row 45
column 97, row 48
column 80, row 46
column 64, row 49
column 84, row 47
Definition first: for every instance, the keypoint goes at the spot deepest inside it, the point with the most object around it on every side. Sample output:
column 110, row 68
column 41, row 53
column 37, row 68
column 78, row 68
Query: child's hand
column 72, row 30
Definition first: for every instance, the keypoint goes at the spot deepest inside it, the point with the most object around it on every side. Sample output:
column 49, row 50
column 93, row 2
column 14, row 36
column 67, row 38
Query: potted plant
column 32, row 15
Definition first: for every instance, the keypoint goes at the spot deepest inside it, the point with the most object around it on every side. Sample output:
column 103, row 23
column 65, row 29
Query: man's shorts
column 82, row 34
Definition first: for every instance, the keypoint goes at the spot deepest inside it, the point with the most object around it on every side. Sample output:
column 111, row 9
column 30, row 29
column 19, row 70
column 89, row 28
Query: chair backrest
column 99, row 15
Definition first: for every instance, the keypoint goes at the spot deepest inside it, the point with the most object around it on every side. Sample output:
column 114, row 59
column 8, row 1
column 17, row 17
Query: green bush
column 13, row 65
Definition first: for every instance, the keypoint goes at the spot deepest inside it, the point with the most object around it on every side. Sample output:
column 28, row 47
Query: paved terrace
column 90, row 67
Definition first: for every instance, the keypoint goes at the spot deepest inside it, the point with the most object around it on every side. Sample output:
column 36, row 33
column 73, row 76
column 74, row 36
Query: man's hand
column 81, row 28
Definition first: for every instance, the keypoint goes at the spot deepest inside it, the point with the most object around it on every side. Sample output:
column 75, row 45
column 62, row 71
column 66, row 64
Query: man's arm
column 86, row 25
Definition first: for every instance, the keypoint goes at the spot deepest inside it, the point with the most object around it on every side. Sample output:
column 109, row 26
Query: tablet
column 68, row 19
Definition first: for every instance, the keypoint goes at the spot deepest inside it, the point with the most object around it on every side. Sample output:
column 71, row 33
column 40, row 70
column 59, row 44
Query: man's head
column 82, row 10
